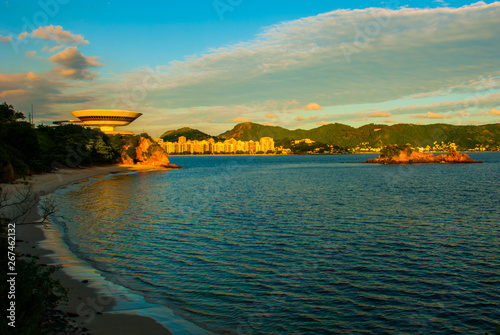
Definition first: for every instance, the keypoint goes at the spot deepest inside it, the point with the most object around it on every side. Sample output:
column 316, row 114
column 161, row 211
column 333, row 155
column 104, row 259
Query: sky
column 210, row 64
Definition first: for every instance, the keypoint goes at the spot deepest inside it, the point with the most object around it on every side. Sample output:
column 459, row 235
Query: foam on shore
column 111, row 298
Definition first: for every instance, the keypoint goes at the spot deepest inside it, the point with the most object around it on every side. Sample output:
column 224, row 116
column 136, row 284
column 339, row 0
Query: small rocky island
column 394, row 154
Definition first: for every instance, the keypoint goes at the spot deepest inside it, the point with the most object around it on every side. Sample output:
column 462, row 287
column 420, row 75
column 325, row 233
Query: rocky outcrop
column 144, row 151
column 407, row 156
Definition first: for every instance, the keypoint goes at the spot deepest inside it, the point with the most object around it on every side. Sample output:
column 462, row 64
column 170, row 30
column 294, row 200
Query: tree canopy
column 8, row 114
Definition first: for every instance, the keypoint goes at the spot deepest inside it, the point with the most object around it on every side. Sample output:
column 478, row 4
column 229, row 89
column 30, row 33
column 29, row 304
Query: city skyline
column 212, row 64
column 211, row 146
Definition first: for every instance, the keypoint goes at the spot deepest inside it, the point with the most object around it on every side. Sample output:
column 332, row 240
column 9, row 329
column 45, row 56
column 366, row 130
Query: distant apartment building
column 230, row 146
column 304, row 140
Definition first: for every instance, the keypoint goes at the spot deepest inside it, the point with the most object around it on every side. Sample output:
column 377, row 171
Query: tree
column 8, row 114
column 390, row 150
column 18, row 144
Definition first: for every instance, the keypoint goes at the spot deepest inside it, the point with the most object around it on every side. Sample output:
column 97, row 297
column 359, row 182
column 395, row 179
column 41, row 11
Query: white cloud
column 312, row 107
column 416, row 54
column 72, row 64
column 441, row 2
column 240, row 119
column 5, row 38
column 491, row 100
column 380, row 114
column 58, row 34
column 300, row 118
column 322, row 123
column 30, row 54
column 431, row 115
column 491, row 112
column 271, row 116
column 55, row 48
column 23, row 89
column 431, row 48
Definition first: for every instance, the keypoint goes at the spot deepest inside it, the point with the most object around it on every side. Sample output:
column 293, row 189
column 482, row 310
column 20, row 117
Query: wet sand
column 86, row 308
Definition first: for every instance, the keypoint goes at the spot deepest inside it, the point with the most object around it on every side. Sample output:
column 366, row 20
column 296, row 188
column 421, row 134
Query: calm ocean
column 300, row 244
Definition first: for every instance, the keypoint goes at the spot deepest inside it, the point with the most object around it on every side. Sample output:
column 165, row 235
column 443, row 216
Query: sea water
column 299, row 244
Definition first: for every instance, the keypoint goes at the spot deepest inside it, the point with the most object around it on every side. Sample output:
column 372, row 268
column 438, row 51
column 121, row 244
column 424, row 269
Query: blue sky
column 211, row 64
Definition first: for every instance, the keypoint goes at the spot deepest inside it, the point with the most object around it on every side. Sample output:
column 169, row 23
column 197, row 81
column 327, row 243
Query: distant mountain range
column 466, row 137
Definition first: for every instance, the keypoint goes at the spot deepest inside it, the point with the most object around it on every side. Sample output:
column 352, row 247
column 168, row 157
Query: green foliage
column 8, row 114
column 103, row 149
column 127, row 144
column 71, row 146
column 466, row 137
column 390, row 150
column 117, row 142
column 252, row 131
column 189, row 133
column 497, row 331
column 19, row 146
column 36, row 291
column 131, row 152
column 151, row 149
column 24, row 149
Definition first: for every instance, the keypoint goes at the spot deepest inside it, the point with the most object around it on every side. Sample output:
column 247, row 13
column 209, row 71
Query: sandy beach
column 86, row 309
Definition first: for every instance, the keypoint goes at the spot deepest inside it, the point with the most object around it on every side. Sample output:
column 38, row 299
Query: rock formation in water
column 144, row 151
column 392, row 154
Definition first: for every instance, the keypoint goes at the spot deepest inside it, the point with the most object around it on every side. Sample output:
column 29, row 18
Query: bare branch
column 17, row 201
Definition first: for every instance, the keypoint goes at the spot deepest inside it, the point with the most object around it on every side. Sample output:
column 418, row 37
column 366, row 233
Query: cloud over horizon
column 57, row 34
column 22, row 89
column 240, row 119
column 432, row 48
column 380, row 114
column 313, row 107
column 431, row 115
column 71, row 63
column 426, row 63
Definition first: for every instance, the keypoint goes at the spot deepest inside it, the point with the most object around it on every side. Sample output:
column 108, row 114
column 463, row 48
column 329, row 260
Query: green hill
column 466, row 137
column 189, row 133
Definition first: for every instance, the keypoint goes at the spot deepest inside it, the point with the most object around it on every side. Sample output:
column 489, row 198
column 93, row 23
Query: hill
column 466, row 137
column 189, row 133
column 26, row 149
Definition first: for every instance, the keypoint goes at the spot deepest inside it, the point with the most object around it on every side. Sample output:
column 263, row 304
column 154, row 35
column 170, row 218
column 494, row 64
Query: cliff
column 395, row 155
column 26, row 149
column 144, row 151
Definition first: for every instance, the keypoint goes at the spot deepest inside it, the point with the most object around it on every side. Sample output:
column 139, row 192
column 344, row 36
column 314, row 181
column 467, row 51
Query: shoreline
column 291, row 155
column 87, row 307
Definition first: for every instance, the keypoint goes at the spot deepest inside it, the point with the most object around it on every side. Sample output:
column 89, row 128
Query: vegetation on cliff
column 140, row 149
column 25, row 149
column 391, row 151
column 189, row 133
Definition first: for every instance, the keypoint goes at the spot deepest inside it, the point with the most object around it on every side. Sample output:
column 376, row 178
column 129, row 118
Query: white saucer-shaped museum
column 107, row 119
